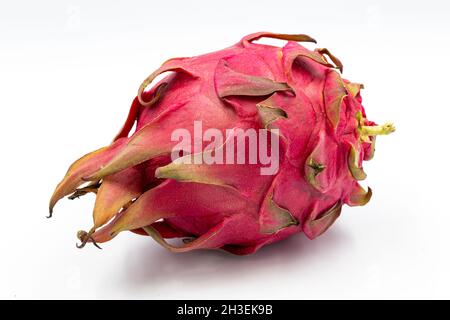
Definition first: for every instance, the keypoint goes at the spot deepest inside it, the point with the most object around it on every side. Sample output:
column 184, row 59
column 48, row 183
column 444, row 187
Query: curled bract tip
column 86, row 237
column 333, row 58
column 90, row 188
column 281, row 36
column 354, row 164
column 359, row 196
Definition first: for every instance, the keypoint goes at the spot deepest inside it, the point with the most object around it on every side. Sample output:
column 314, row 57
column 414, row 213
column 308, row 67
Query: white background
column 68, row 73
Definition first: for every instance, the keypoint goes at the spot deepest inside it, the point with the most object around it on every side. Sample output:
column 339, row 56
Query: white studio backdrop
column 68, row 73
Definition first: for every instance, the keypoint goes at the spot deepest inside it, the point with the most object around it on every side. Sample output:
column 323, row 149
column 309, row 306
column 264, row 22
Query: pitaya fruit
column 293, row 94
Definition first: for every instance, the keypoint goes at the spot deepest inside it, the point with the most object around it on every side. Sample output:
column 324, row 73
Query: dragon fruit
column 294, row 94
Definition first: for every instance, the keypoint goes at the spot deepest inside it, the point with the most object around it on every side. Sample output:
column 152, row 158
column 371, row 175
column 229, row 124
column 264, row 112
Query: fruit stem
column 384, row 129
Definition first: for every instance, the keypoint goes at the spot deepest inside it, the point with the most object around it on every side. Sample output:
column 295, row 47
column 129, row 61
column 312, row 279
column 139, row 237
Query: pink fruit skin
column 232, row 207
